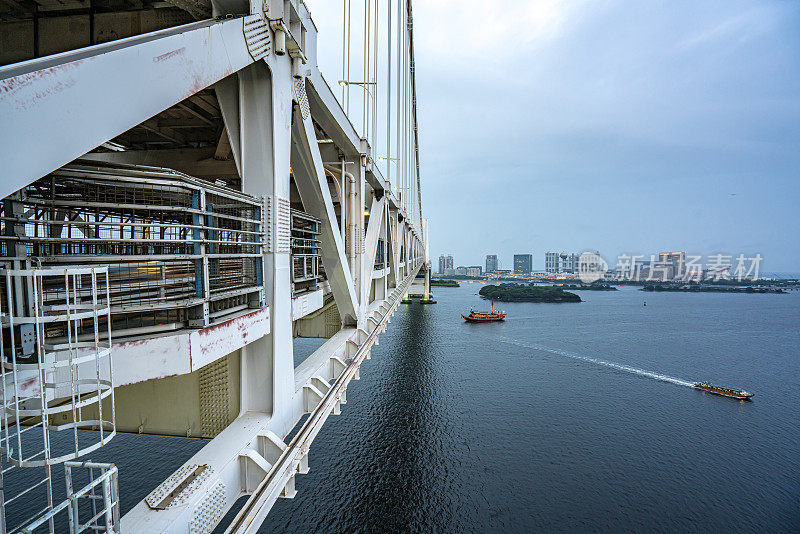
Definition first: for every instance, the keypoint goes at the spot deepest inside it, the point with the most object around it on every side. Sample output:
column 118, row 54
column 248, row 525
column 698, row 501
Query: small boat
column 725, row 392
column 483, row 317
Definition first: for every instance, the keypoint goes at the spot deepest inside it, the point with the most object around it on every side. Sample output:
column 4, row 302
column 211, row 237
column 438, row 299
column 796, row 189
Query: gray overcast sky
column 616, row 126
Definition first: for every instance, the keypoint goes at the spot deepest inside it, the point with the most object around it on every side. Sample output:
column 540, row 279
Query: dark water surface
column 459, row 427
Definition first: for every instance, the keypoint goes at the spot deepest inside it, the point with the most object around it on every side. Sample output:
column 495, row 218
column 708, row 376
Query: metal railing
column 181, row 251
column 380, row 255
column 100, row 510
column 56, row 378
column 305, row 252
column 266, row 493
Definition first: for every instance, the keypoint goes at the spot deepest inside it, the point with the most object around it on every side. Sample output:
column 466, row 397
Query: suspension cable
column 389, row 93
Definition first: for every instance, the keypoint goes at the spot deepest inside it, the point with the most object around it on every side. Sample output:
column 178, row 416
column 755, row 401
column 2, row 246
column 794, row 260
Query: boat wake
column 626, row 368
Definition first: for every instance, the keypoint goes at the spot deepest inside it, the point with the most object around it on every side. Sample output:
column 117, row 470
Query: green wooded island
column 521, row 293
column 444, row 283
column 589, row 287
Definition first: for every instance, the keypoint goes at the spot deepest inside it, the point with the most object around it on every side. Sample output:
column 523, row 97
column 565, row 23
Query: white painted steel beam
column 188, row 350
column 75, row 101
column 249, row 458
column 371, row 240
column 252, row 514
column 393, row 255
column 264, row 99
column 329, row 114
column 227, row 91
column 312, row 184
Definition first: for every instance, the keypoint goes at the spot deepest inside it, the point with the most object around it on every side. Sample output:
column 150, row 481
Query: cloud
column 474, row 30
column 735, row 29
column 572, row 125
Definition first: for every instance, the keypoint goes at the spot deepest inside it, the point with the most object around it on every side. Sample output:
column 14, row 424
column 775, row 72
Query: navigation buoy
column 645, row 303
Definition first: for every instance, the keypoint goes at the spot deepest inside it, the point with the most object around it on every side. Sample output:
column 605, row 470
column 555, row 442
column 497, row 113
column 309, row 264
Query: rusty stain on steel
column 220, row 339
column 169, row 55
column 210, row 329
column 10, row 85
column 132, row 343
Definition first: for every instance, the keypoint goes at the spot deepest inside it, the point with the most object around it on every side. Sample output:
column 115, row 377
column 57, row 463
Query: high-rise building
column 474, row 270
column 569, row 262
column 551, row 262
column 561, row 262
column 491, row 263
column 445, row 263
column 674, row 263
column 662, row 268
column 523, row 263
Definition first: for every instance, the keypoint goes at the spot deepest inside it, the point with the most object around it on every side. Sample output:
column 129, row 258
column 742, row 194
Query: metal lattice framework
column 93, row 508
column 306, row 272
column 56, row 368
column 179, row 250
column 200, row 178
column 57, row 372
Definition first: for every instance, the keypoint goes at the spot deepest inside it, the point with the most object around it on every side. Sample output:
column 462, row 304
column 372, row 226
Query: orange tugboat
column 483, row 317
column 725, row 392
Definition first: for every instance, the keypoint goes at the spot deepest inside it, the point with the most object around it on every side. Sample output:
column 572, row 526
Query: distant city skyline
column 567, row 262
column 506, row 261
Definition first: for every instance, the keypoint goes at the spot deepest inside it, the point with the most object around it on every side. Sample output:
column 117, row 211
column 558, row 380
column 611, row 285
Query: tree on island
column 594, row 286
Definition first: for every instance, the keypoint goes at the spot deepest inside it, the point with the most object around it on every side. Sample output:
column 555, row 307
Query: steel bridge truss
column 183, row 191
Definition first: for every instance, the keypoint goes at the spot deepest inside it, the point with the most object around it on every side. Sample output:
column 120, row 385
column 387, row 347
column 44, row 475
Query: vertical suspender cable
column 408, row 150
column 408, row 122
column 349, row 48
column 405, row 120
column 349, row 28
column 401, row 113
column 349, row 41
column 365, row 77
column 389, row 94
column 344, row 49
column 405, row 117
column 414, row 125
column 375, row 79
column 399, row 122
column 405, row 110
